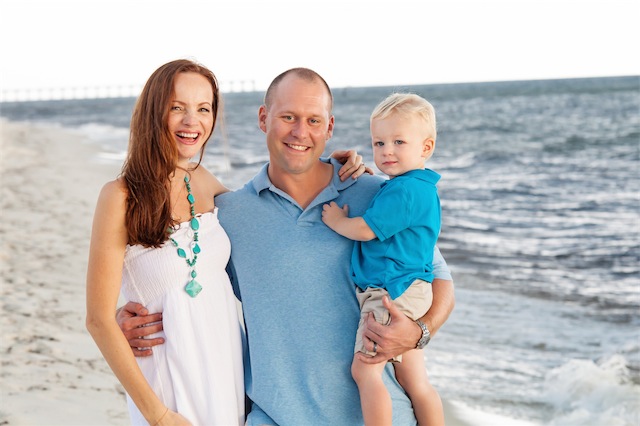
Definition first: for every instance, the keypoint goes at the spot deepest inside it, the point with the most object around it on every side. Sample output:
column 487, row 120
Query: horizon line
column 240, row 86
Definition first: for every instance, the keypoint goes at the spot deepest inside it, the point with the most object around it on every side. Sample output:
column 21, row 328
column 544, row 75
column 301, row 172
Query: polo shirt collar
column 261, row 180
column 426, row 175
column 335, row 181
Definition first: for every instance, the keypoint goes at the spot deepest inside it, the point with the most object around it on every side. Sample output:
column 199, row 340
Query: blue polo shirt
column 292, row 274
column 405, row 216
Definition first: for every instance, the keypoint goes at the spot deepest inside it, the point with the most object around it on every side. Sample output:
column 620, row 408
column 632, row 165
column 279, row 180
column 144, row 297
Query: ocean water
column 540, row 195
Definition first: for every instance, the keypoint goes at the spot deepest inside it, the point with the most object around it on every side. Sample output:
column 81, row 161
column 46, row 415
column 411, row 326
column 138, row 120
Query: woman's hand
column 352, row 164
column 172, row 418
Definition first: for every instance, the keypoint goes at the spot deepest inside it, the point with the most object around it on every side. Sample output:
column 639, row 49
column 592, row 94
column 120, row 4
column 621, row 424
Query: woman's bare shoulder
column 211, row 182
column 113, row 194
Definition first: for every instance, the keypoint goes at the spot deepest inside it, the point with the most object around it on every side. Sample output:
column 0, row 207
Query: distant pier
column 99, row 92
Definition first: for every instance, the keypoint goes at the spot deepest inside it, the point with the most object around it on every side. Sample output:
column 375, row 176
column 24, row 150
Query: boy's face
column 400, row 144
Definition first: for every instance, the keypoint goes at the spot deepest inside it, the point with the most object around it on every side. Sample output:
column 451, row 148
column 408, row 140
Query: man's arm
column 136, row 323
column 402, row 334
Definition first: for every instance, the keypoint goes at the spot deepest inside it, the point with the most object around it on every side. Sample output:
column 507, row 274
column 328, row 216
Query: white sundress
column 198, row 370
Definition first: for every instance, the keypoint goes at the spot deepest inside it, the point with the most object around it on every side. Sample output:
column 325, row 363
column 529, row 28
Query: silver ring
column 375, row 346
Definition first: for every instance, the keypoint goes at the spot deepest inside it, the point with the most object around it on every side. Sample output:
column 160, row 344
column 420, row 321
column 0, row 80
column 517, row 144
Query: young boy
column 393, row 253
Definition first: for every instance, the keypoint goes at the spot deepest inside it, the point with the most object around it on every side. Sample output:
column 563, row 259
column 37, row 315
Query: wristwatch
column 426, row 336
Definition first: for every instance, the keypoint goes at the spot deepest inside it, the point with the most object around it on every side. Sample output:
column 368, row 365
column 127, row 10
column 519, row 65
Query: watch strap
column 426, row 335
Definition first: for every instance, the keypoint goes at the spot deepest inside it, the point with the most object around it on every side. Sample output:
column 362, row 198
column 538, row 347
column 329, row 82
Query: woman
column 156, row 236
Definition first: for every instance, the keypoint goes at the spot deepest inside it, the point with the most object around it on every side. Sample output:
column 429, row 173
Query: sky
column 50, row 44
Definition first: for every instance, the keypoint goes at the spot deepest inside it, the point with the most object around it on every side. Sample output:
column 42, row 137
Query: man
column 291, row 272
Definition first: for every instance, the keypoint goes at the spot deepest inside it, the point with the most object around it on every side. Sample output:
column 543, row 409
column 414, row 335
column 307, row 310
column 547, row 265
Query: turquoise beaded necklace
column 193, row 287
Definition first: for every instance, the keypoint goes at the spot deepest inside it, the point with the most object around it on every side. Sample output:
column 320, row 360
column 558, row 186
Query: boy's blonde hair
column 407, row 104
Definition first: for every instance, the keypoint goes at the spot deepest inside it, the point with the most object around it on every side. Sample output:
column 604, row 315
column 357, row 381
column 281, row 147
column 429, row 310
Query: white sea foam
column 113, row 140
column 465, row 415
column 584, row 392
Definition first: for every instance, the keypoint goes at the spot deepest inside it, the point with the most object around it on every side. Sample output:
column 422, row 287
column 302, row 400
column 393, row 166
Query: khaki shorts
column 414, row 303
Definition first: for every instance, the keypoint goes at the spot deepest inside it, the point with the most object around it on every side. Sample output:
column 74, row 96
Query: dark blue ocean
column 540, row 195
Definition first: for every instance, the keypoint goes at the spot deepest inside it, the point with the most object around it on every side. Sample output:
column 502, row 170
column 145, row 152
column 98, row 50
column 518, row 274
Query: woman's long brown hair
column 152, row 156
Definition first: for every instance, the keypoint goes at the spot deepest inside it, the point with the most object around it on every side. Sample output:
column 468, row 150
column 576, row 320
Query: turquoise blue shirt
column 292, row 274
column 405, row 216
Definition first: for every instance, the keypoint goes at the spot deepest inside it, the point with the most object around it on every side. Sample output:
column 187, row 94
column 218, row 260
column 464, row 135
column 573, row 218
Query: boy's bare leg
column 412, row 376
column 374, row 397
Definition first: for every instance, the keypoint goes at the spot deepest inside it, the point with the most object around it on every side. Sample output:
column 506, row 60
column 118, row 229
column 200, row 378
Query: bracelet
column 161, row 417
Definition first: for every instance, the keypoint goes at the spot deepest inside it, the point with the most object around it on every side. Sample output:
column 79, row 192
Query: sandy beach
column 52, row 372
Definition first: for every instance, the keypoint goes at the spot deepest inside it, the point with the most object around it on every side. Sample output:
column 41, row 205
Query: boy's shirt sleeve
column 389, row 212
